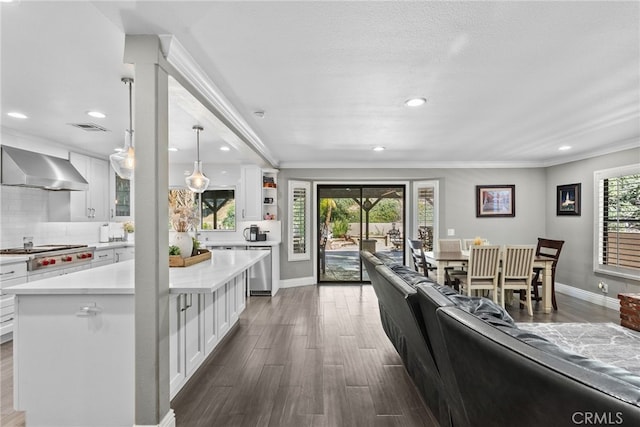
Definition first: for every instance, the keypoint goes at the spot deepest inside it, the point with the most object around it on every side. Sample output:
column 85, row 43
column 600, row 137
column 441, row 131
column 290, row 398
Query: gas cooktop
column 39, row 249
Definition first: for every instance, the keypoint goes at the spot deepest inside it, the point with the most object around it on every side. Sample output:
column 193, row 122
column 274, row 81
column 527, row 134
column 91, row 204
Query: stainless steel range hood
column 29, row 169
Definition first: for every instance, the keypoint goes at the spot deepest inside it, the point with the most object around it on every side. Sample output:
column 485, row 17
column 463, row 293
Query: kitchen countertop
column 210, row 243
column 108, row 245
column 118, row 278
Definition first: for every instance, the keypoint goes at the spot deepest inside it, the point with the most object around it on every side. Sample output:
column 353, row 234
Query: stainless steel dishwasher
column 260, row 273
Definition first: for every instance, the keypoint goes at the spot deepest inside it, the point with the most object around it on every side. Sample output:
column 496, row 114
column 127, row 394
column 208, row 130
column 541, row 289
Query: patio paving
column 344, row 265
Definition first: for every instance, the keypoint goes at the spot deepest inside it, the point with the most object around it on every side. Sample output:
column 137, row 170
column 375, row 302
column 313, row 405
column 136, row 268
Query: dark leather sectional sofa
column 474, row 367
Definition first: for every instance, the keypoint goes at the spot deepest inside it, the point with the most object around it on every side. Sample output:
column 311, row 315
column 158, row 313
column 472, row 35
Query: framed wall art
column 568, row 199
column 495, row 201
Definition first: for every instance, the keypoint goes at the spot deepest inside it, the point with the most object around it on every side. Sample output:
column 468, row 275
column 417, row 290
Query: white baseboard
column 592, row 297
column 169, row 420
column 300, row 281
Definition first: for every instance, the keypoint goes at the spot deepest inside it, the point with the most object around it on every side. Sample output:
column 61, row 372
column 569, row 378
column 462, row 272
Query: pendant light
column 123, row 162
column 197, row 182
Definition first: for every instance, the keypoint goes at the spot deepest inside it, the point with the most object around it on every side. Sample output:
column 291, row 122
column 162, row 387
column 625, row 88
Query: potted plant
column 128, row 231
column 183, row 219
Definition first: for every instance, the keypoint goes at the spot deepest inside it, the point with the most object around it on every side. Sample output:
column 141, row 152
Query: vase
column 183, row 240
column 129, row 237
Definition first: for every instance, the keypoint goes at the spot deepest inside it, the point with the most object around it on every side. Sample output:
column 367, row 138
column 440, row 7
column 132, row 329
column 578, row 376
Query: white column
column 151, row 218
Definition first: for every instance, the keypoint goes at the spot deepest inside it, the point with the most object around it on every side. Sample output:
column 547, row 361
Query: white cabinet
column 102, row 257
column 90, row 205
column 251, row 193
column 124, row 254
column 120, row 197
column 10, row 275
column 186, row 337
column 258, row 193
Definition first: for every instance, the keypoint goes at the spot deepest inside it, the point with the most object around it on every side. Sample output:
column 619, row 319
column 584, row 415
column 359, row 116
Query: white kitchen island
column 74, row 336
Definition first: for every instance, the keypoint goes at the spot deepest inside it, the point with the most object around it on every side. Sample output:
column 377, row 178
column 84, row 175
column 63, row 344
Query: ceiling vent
column 89, row 127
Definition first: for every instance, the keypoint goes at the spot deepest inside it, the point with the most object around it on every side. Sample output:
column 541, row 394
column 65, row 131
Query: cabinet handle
column 112, row 213
column 103, row 256
column 190, row 303
column 181, row 298
column 8, row 272
column 88, row 212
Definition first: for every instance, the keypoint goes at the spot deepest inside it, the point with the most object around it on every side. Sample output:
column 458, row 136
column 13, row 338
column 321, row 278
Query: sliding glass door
column 356, row 217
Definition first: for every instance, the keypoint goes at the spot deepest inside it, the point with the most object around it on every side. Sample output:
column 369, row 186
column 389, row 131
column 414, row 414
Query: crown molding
column 182, row 61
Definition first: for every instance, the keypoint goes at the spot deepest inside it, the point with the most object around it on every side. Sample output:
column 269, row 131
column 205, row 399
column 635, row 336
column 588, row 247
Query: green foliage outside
column 340, row 228
column 386, row 210
column 229, row 222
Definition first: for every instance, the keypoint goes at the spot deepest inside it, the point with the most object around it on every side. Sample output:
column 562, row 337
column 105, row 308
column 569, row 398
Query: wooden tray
column 178, row 261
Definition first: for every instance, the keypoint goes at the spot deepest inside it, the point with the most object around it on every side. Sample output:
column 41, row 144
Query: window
column 299, row 219
column 218, row 210
column 617, row 233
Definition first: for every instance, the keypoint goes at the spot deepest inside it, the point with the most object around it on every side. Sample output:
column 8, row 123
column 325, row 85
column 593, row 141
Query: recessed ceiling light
column 118, row 150
column 415, row 102
column 259, row 114
column 223, row 172
column 378, row 148
column 16, row 115
column 564, row 148
column 97, row 114
column 224, row 148
column 173, row 149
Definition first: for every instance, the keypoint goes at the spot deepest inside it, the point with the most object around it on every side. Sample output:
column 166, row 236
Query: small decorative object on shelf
column 269, row 216
column 478, row 240
column 268, row 182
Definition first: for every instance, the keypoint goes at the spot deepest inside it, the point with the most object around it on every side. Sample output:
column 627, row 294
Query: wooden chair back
column 417, row 254
column 449, row 245
column 517, row 262
column 550, row 249
column 484, row 261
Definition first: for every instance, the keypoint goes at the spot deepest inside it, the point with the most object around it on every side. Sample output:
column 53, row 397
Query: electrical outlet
column 604, row 288
column 451, row 231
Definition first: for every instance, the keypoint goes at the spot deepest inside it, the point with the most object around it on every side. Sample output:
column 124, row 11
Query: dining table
column 460, row 259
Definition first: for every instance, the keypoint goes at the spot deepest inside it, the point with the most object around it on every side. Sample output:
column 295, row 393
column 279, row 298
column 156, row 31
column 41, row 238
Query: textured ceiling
column 507, row 83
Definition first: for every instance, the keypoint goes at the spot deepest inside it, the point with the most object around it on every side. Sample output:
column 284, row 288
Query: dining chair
column 449, row 245
column 482, row 270
column 419, row 260
column 546, row 248
column 516, row 274
column 452, row 273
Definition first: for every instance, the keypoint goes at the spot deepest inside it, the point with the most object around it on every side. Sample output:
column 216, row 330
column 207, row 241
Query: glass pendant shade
column 123, row 162
column 197, row 181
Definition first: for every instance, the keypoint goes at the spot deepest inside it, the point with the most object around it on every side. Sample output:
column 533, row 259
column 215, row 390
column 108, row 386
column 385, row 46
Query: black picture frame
column 495, row 201
column 569, row 199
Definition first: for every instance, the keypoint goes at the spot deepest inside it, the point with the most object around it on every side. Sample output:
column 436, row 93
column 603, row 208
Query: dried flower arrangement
column 182, row 210
column 128, row 227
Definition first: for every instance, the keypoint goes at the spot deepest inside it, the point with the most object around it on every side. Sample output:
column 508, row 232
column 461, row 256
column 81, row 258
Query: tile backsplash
column 24, row 212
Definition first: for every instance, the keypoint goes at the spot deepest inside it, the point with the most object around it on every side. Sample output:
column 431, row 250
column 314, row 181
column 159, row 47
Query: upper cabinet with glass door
column 121, row 191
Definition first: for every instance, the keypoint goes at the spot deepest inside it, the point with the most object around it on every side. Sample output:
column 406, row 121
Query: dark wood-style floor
column 310, row 356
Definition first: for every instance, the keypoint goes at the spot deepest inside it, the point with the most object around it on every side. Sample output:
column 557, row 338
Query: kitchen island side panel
column 74, row 359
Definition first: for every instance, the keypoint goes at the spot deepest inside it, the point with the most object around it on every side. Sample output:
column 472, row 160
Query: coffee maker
column 251, row 233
